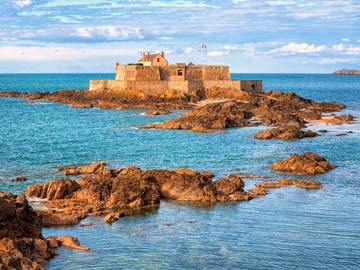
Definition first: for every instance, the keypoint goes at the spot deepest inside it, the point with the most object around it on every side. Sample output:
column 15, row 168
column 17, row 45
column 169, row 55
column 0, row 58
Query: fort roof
column 149, row 57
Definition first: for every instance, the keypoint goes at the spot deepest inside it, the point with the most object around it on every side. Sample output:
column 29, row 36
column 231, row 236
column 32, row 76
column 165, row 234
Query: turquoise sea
column 289, row 228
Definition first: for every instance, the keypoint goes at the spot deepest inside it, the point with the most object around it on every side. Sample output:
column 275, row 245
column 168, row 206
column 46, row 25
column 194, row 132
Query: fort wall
column 215, row 73
column 181, row 86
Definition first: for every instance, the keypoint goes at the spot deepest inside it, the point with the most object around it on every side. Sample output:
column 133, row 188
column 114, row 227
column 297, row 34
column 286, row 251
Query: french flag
column 203, row 46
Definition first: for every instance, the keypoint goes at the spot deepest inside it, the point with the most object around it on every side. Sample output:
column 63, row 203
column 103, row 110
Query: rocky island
column 347, row 72
column 215, row 101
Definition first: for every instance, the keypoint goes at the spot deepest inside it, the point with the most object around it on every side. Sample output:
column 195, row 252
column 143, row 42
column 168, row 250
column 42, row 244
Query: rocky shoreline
column 114, row 193
column 211, row 109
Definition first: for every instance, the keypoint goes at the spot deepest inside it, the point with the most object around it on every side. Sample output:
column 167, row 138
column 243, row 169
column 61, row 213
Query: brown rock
column 49, row 219
column 258, row 191
column 86, row 224
column 20, row 179
column 88, row 169
column 285, row 133
column 112, row 217
column 21, row 243
column 55, row 189
column 68, row 242
column 305, row 184
column 210, row 117
column 308, row 163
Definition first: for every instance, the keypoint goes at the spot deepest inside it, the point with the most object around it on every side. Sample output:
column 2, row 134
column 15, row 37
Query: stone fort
column 153, row 75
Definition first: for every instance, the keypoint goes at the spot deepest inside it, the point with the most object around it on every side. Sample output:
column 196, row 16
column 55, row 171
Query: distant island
column 347, row 72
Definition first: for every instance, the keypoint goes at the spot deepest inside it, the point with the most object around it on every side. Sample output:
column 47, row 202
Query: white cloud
column 109, row 32
column 23, row 3
column 345, row 39
column 188, row 50
column 339, row 47
column 229, row 47
column 280, row 3
column 298, row 48
column 337, row 60
column 347, row 49
column 58, row 53
column 217, row 53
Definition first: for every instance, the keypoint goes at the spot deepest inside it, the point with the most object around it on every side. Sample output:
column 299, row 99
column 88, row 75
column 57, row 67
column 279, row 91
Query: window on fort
column 180, row 73
column 253, row 87
column 158, row 59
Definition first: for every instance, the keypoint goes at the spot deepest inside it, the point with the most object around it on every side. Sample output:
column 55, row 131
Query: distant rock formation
column 347, row 72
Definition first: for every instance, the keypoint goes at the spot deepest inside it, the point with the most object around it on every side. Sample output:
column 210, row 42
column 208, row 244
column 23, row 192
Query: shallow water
column 289, row 228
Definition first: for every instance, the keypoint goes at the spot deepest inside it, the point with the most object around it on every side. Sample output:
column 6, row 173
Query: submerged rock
column 308, row 163
column 19, row 179
column 66, row 241
column 305, row 184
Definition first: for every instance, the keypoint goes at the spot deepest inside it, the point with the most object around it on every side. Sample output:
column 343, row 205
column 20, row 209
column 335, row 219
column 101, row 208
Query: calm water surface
column 289, row 228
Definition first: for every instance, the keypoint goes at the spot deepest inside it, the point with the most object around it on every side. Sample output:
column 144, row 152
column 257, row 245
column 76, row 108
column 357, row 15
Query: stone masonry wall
column 215, row 73
column 193, row 73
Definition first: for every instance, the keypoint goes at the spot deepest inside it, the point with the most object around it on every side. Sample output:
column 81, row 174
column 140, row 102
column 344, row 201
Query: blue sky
column 248, row 35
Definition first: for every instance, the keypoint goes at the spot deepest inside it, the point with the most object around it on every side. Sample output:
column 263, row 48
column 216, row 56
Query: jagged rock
column 22, row 245
column 123, row 190
column 56, row 189
column 88, row 169
column 224, row 108
column 210, row 117
column 334, row 119
column 285, row 133
column 308, row 163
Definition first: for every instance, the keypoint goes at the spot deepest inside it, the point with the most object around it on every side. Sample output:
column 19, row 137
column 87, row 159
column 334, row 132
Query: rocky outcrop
column 308, row 163
column 305, row 184
column 22, row 245
column 56, row 189
column 228, row 108
column 117, row 100
column 210, row 117
column 333, row 119
column 285, row 133
column 65, row 241
column 347, row 72
column 120, row 191
column 87, row 169
column 270, row 109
